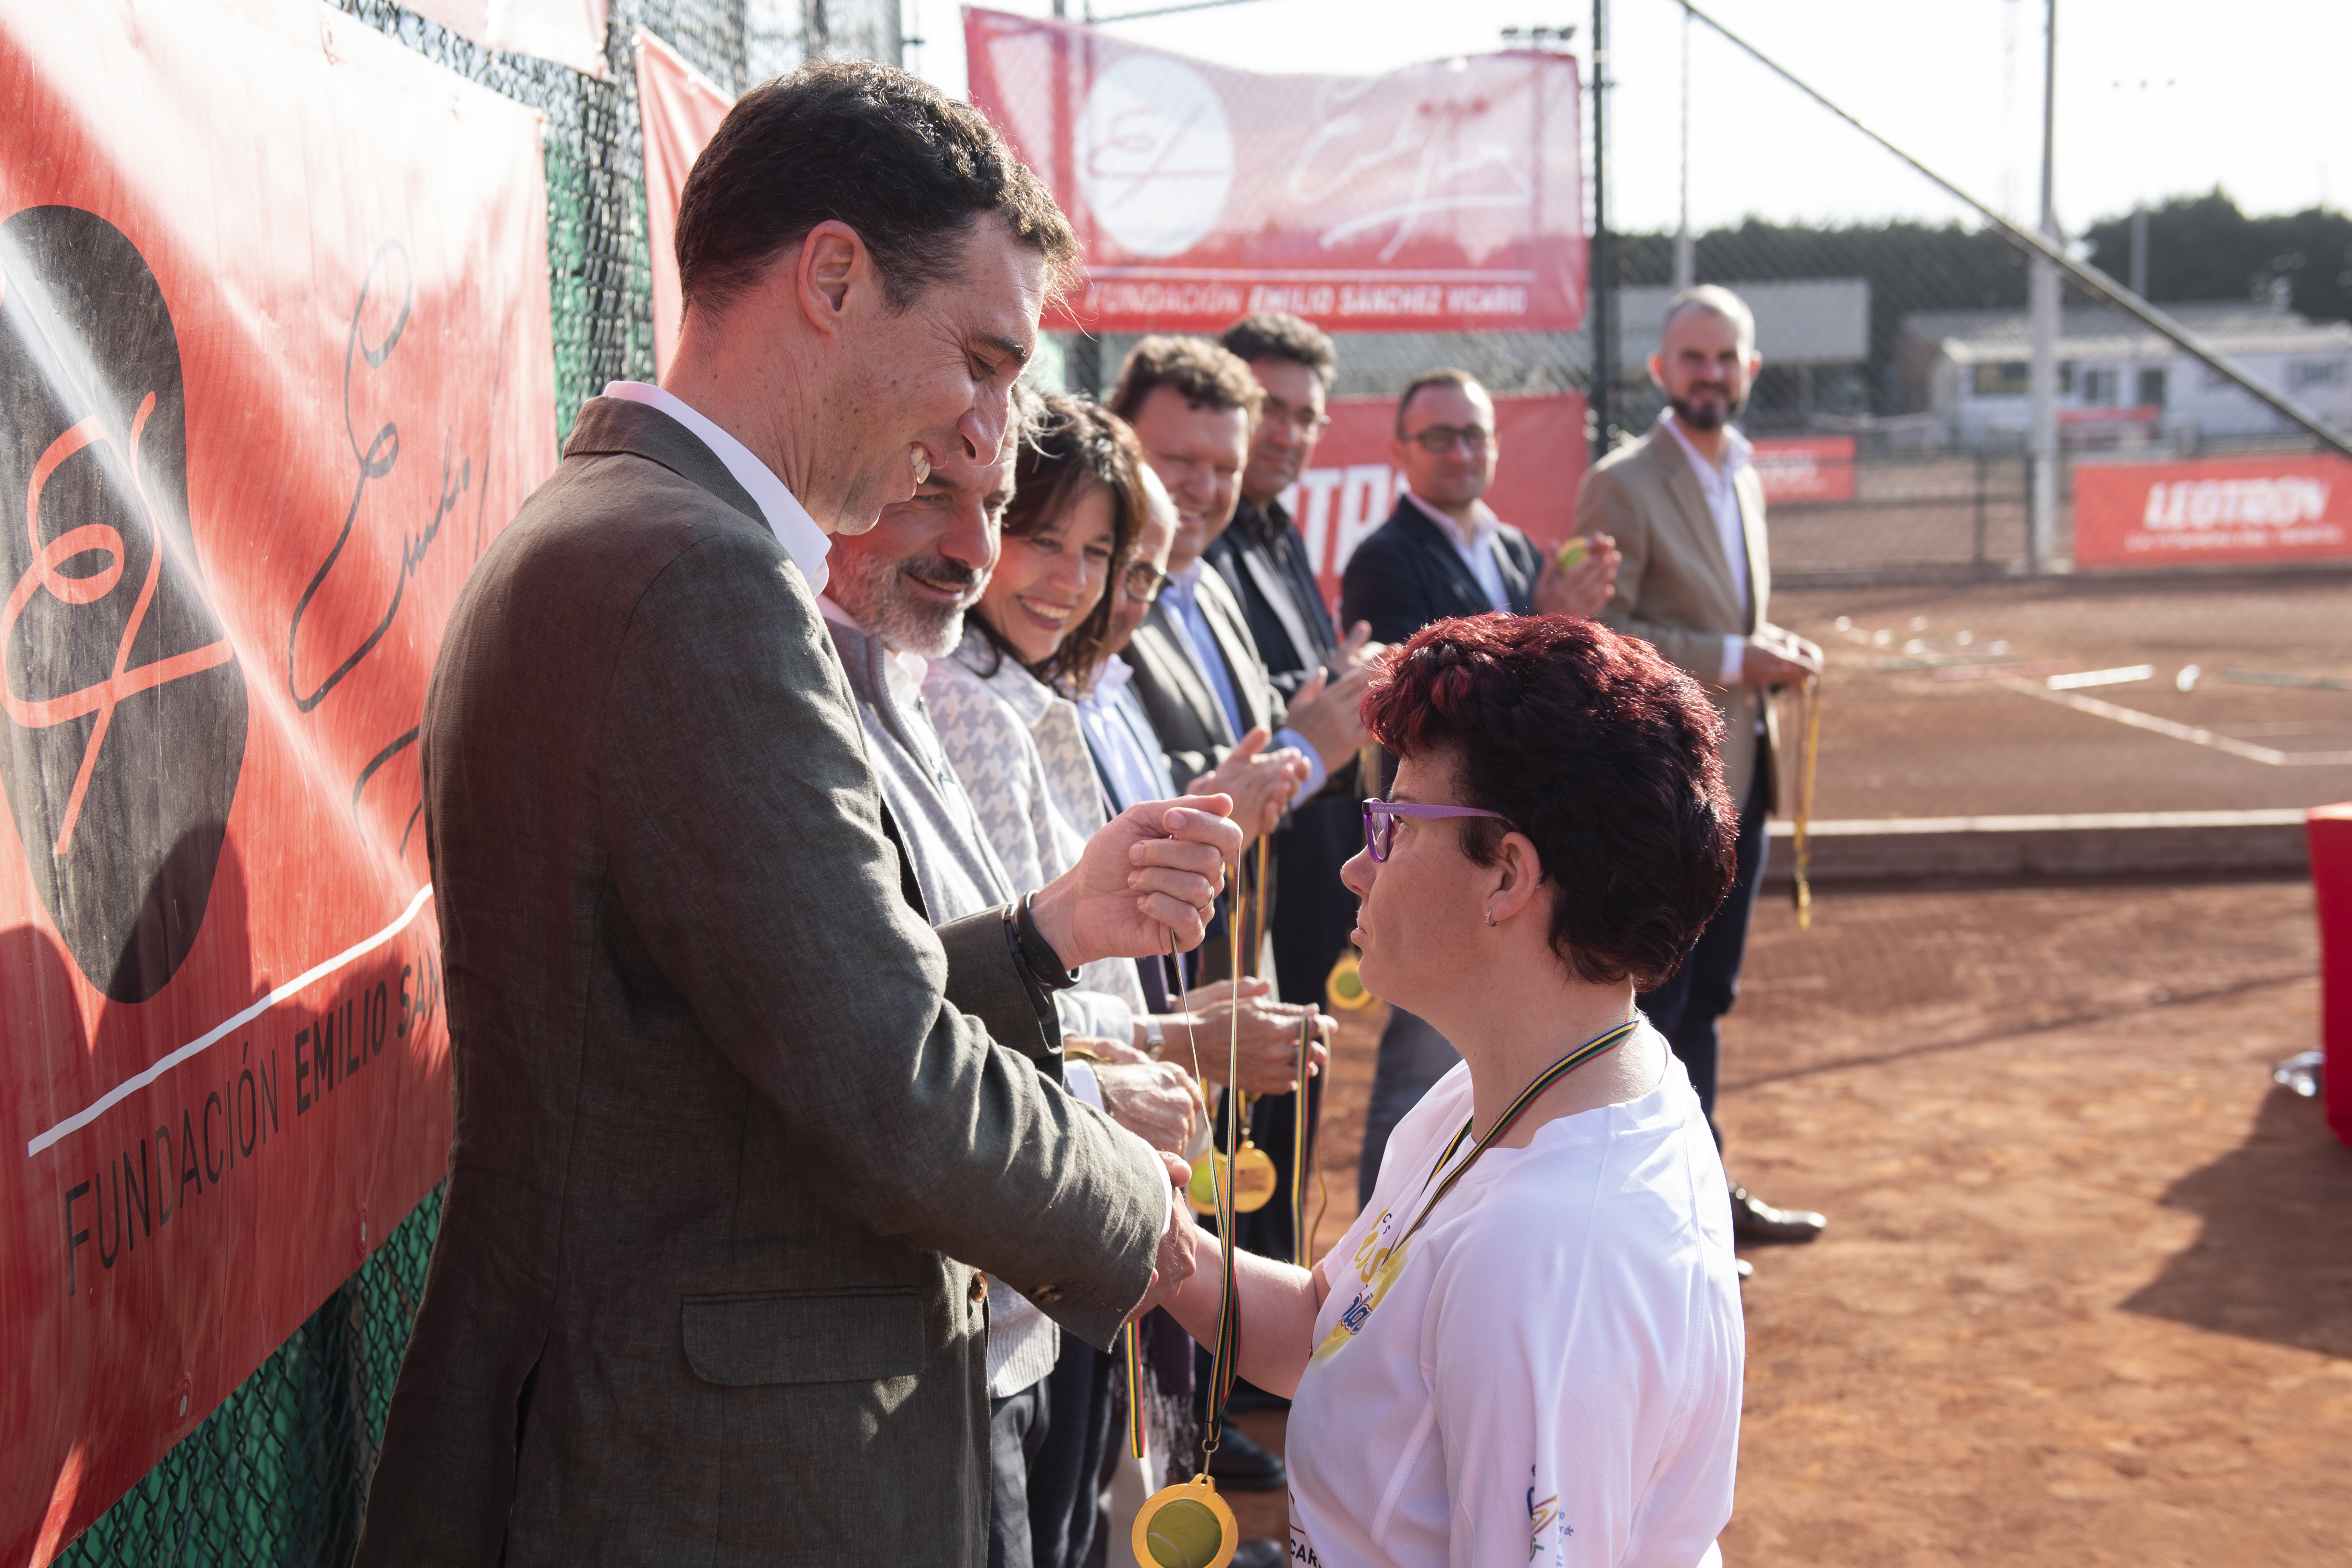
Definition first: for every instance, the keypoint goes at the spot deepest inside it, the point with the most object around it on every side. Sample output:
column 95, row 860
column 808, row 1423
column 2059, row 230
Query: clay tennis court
column 1967, row 740
column 2086, row 1292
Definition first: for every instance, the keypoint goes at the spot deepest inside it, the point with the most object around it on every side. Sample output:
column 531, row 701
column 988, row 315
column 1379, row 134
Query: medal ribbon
column 1226, row 1352
column 1809, row 709
column 1600, row 1045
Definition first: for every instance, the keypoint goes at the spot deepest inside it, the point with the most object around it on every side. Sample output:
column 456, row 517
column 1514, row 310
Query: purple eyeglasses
column 1380, row 821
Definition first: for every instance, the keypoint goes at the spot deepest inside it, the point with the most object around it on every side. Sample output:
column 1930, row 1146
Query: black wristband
column 1043, row 963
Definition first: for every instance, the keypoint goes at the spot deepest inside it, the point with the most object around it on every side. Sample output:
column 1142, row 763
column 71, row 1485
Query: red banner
column 1443, row 197
column 2219, row 510
column 1352, row 484
column 1806, row 469
column 276, row 361
column 679, row 109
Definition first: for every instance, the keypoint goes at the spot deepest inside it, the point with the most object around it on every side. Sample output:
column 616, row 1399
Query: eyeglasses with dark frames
column 1380, row 821
column 1438, row 440
column 1141, row 582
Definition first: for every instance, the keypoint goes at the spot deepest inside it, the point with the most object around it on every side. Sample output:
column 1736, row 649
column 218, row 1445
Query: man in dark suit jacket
column 734, row 1140
column 1444, row 553
column 1264, row 559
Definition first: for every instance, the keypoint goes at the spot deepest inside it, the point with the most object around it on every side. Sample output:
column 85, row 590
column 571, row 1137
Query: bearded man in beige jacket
column 1686, row 509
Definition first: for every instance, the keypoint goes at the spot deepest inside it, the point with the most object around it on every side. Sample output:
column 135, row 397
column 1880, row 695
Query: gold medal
column 1345, row 987
column 1252, row 1175
column 1186, row 1526
column 1208, row 1175
column 1253, row 1179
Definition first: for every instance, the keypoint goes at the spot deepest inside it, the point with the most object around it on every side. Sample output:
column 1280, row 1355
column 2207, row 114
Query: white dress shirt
column 797, row 532
column 1119, row 734
column 1720, row 487
column 1477, row 551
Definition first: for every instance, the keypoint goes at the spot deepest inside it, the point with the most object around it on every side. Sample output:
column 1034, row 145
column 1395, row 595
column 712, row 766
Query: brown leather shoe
column 1752, row 1219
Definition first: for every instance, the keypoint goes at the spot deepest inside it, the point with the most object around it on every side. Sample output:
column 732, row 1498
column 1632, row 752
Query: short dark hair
column 1203, row 372
column 1604, row 754
column 1278, row 334
column 1429, row 378
column 869, row 146
column 1067, row 448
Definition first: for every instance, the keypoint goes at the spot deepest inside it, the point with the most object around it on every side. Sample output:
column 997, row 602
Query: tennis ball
column 1184, row 1534
column 1571, row 555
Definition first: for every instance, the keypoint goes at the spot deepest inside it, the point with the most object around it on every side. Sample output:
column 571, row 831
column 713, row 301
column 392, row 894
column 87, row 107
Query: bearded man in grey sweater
column 896, row 600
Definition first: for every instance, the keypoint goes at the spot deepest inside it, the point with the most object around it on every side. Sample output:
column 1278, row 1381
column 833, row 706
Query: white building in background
column 1814, row 334
column 2119, row 384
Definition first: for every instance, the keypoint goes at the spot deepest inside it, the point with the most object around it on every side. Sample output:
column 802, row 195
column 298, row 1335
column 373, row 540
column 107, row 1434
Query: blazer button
column 979, row 1289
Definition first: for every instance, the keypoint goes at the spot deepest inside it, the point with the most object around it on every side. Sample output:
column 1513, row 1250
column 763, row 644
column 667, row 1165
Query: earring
column 1490, row 917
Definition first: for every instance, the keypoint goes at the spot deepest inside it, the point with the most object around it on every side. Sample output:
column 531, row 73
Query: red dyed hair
column 1606, row 756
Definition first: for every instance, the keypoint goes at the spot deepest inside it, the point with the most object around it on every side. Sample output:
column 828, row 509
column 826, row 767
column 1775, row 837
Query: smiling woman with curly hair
column 1528, row 1348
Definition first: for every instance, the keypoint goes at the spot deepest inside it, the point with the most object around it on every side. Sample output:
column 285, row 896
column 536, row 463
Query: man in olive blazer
column 733, row 1142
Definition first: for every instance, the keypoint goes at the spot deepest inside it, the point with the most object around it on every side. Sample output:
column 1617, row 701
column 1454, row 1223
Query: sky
column 2156, row 98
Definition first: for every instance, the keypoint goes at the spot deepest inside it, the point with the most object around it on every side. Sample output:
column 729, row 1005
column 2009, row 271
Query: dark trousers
column 1046, row 1445
column 1687, row 1008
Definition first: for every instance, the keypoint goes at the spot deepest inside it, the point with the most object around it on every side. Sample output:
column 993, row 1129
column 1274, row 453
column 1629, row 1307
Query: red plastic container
column 2331, row 884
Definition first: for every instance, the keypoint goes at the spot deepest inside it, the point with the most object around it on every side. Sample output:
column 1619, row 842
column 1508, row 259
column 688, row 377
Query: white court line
column 2188, row 732
column 112, row 1096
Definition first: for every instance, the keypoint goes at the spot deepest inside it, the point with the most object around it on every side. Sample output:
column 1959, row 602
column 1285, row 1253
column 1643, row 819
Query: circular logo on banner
column 126, row 710
column 1155, row 155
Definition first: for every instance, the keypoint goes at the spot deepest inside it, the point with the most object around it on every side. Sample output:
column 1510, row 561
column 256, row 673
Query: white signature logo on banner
column 1155, row 155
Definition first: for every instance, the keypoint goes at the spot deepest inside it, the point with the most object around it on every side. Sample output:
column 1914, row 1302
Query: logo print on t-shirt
column 126, row 707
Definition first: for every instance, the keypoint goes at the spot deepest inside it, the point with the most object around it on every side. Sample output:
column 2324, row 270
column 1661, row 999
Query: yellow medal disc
column 1186, row 1526
column 1345, row 987
column 1253, row 1179
column 1199, row 1196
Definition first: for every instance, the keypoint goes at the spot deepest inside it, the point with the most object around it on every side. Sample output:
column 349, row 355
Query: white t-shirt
column 1550, row 1374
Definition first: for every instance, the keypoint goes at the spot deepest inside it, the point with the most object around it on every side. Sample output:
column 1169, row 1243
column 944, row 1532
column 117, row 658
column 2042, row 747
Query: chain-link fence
column 2164, row 650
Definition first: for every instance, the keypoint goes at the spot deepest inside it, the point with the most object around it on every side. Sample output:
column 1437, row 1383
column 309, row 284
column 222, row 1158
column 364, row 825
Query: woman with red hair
column 1529, row 1346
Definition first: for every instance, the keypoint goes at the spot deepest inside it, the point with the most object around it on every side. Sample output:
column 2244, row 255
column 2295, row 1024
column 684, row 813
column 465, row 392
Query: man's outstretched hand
column 1154, row 871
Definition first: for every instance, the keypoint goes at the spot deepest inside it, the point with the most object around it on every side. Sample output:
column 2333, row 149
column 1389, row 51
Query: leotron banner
column 2217, row 511
column 275, row 365
column 1352, row 484
column 1798, row 469
column 1445, row 196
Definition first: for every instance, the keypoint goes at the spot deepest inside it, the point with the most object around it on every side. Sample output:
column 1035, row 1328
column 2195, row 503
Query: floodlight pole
column 2042, row 516
column 1601, row 316
column 1686, row 258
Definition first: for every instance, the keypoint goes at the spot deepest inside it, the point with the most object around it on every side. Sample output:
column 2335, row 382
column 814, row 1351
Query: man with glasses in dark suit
column 1444, row 553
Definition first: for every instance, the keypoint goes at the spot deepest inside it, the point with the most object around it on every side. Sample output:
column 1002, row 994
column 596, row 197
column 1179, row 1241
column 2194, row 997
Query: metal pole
column 2042, row 518
column 1686, row 260
column 2139, row 252
column 1602, row 315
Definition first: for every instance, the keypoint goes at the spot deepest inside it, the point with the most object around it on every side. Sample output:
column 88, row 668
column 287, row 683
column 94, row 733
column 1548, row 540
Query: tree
column 2203, row 247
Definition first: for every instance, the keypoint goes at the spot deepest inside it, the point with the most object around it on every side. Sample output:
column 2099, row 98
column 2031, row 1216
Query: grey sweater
column 960, row 875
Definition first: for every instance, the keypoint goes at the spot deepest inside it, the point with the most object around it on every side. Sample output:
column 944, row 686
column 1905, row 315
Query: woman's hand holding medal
column 1269, row 1034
